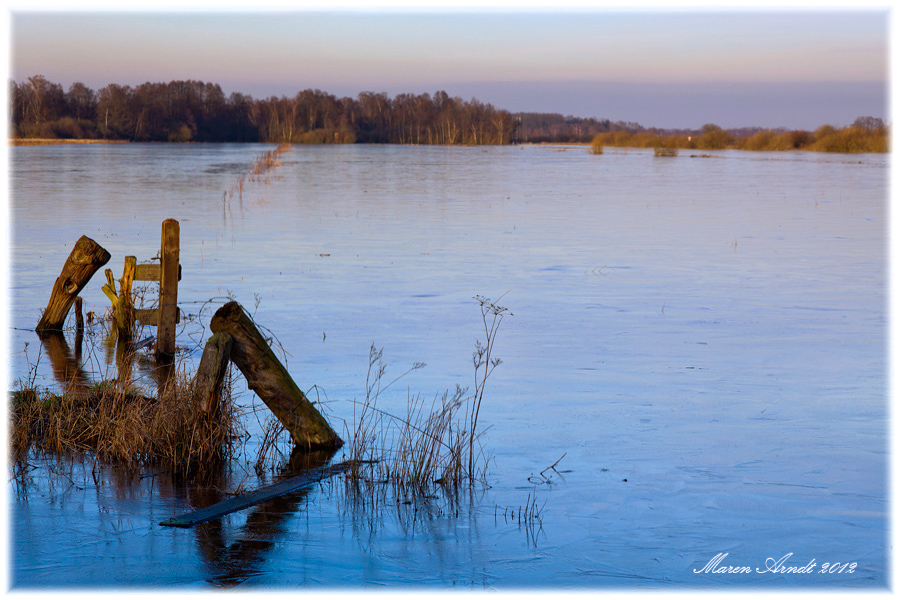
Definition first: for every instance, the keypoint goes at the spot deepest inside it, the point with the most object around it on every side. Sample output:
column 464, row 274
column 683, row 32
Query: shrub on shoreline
column 865, row 135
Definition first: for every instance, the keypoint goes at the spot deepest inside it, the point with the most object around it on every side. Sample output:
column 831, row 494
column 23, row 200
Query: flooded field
column 698, row 344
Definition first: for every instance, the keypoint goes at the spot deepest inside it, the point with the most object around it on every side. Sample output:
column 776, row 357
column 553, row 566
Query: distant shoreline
column 598, row 144
column 51, row 141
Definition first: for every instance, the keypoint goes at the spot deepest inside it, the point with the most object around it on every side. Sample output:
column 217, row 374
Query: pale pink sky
column 669, row 69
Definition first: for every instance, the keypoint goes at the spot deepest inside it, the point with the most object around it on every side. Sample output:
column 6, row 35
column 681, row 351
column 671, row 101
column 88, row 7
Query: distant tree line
column 183, row 111
column 554, row 128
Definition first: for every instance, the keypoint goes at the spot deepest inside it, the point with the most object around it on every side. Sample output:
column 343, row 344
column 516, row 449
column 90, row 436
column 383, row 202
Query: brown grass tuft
column 124, row 426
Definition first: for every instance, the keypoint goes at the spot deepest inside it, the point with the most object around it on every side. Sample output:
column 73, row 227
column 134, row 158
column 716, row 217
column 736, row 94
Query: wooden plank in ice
column 281, row 488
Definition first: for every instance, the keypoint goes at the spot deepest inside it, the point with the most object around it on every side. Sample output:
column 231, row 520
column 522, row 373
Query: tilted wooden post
column 86, row 258
column 272, row 383
column 207, row 392
column 168, row 290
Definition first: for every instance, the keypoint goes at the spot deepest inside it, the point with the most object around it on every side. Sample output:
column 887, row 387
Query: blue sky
column 682, row 68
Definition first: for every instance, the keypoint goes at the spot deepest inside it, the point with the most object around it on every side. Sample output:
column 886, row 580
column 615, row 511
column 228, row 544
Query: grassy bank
column 855, row 138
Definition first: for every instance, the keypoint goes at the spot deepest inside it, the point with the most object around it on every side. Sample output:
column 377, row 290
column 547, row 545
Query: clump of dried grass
column 121, row 425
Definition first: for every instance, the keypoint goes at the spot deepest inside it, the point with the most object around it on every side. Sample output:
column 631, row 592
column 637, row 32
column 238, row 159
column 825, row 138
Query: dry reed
column 265, row 162
column 121, row 425
column 268, row 160
column 434, row 443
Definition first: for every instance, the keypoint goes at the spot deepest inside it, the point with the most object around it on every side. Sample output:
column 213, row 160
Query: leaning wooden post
column 270, row 380
column 168, row 290
column 85, row 259
column 207, row 389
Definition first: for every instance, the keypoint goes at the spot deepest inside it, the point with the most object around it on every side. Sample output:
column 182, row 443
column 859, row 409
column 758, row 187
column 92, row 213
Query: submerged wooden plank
column 281, row 488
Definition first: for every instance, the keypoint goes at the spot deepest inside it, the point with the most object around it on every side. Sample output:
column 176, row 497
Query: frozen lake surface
column 702, row 339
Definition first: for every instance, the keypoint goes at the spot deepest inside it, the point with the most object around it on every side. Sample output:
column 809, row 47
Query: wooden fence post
column 207, row 389
column 85, row 259
column 123, row 310
column 272, row 383
column 79, row 327
column 79, row 317
column 125, row 316
column 168, row 290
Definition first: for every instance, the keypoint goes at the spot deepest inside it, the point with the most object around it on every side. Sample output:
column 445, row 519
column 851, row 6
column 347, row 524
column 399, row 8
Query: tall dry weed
column 434, row 443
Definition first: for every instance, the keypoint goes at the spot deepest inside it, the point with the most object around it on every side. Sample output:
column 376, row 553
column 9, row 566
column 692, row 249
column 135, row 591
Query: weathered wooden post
column 79, row 317
column 122, row 307
column 125, row 316
column 207, row 391
column 272, row 383
column 168, row 290
column 85, row 259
